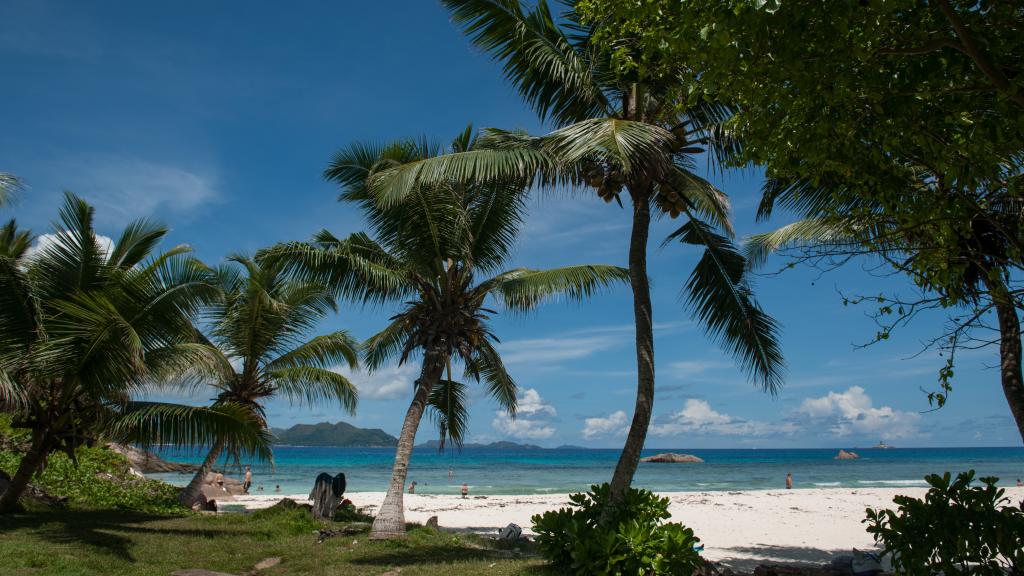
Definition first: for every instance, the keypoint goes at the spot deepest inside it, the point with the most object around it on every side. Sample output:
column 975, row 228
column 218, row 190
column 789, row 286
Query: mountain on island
column 502, row 445
column 340, row 434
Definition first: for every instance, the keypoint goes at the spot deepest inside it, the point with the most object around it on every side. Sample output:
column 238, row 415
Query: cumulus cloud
column 531, row 421
column 853, row 413
column 387, row 383
column 44, row 241
column 614, row 424
column 698, row 417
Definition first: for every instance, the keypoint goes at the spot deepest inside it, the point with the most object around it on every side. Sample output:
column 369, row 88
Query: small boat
column 881, row 446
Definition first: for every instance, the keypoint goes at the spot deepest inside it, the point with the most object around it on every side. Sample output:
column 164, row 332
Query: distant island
column 501, row 445
column 340, row 434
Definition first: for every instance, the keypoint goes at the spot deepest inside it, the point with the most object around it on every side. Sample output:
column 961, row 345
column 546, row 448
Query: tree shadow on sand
column 106, row 530
column 749, row 557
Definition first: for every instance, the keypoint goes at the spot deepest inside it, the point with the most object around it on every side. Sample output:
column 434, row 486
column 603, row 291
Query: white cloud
column 698, row 417
column 535, row 351
column 688, row 368
column 531, row 418
column 852, row 413
column 124, row 188
column 44, row 241
column 387, row 383
column 614, row 424
column 521, row 427
column 530, row 403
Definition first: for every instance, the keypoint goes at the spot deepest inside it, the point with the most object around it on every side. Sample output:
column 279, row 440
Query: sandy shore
column 738, row 528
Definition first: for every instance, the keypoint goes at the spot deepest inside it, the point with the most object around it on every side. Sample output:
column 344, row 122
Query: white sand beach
column 739, row 529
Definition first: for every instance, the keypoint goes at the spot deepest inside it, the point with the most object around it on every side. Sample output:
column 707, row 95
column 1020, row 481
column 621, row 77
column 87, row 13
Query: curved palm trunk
column 630, row 456
column 390, row 519
column 190, row 494
column 1010, row 359
column 31, row 463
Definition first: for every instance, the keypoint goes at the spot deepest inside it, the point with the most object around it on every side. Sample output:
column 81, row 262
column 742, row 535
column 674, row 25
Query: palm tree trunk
column 30, row 464
column 190, row 494
column 630, row 456
column 390, row 519
column 1010, row 359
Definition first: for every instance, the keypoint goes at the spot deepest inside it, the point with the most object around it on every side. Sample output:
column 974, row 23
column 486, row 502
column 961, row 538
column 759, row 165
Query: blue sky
column 217, row 118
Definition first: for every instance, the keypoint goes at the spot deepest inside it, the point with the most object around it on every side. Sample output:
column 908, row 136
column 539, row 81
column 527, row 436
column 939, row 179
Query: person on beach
column 465, row 490
column 219, row 481
column 412, row 487
column 1019, row 483
column 248, row 480
column 789, row 480
column 451, row 473
column 277, row 488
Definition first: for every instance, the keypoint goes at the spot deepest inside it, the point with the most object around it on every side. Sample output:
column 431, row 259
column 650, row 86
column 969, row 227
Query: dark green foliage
column 633, row 539
column 957, row 529
column 100, row 480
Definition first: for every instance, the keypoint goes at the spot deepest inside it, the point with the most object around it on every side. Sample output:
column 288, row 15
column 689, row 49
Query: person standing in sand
column 248, row 480
column 412, row 487
column 789, row 481
column 465, row 490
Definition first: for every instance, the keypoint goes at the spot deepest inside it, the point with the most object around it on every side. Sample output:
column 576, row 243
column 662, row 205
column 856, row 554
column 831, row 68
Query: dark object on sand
column 672, row 458
column 327, row 493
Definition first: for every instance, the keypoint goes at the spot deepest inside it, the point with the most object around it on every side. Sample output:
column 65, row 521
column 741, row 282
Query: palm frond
column 552, row 73
column 448, row 409
column 10, row 186
column 147, row 423
column 723, row 302
column 486, row 365
column 811, row 231
column 326, row 351
column 310, row 385
column 523, row 289
column 385, row 345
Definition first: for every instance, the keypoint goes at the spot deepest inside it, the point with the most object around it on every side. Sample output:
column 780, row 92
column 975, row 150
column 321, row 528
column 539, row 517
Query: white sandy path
column 737, row 528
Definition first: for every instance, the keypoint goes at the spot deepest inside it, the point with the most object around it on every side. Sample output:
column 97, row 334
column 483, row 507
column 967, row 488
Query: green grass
column 79, row 542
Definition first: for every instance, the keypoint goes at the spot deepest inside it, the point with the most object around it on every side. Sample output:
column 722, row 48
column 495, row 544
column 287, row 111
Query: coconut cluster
column 670, row 202
column 607, row 180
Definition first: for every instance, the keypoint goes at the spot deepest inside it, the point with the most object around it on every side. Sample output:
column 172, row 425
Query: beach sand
column 739, row 529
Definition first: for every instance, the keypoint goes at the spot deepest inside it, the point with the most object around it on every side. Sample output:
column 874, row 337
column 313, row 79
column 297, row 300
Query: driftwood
column 326, row 495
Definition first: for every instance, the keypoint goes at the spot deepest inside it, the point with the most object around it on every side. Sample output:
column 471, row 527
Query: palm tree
column 442, row 254
column 83, row 327
column 260, row 332
column 613, row 134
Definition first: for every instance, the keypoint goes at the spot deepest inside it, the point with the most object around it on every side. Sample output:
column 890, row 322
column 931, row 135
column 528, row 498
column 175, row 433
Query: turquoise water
column 562, row 471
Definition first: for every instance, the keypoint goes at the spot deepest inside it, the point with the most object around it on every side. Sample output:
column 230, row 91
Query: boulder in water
column 846, row 455
column 672, row 458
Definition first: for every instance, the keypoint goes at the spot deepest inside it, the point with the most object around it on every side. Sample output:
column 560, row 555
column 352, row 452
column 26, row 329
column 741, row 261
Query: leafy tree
column 899, row 123
column 442, row 254
column 83, row 327
column 614, row 135
column 261, row 325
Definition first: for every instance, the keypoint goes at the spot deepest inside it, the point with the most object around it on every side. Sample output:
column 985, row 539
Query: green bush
column 100, row 480
column 633, row 539
column 957, row 529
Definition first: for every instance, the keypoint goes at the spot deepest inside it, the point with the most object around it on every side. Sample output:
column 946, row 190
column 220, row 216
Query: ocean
column 489, row 471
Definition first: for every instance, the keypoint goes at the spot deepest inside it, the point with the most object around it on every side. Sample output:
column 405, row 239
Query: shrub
column 101, row 479
column 633, row 539
column 958, row 528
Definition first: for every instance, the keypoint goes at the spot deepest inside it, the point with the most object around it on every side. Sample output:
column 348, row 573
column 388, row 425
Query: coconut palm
column 260, row 330
column 443, row 254
column 615, row 134
column 85, row 326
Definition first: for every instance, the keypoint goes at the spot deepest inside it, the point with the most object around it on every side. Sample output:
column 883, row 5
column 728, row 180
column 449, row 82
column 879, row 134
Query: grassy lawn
column 74, row 542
